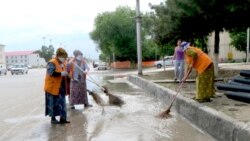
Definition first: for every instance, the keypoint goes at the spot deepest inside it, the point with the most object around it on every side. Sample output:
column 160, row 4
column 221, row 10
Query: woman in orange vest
column 78, row 87
column 55, row 89
column 202, row 63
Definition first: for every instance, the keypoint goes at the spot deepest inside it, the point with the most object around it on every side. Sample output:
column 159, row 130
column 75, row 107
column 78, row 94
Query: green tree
column 115, row 32
column 192, row 19
column 238, row 39
column 46, row 52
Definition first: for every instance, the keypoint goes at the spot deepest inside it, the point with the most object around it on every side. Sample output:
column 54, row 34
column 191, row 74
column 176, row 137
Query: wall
column 2, row 54
column 225, row 48
column 127, row 64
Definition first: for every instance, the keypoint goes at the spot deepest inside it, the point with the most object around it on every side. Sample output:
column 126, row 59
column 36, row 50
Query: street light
column 138, row 37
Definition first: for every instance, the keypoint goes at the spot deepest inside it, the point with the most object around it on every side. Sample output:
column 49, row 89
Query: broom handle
column 92, row 80
column 179, row 88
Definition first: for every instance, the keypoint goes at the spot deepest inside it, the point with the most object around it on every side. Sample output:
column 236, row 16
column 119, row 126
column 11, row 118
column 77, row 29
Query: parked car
column 29, row 66
column 19, row 68
column 102, row 66
column 3, row 70
column 9, row 67
column 168, row 61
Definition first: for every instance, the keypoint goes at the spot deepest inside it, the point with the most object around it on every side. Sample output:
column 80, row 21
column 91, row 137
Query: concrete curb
column 220, row 126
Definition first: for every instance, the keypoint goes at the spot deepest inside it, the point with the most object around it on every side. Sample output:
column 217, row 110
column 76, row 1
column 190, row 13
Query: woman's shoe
column 54, row 121
column 63, row 121
column 72, row 107
column 88, row 105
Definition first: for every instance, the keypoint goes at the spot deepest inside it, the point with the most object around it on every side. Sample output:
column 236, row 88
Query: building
column 25, row 57
column 227, row 53
column 2, row 54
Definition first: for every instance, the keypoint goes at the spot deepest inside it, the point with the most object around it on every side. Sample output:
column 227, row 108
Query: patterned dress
column 205, row 84
column 78, row 87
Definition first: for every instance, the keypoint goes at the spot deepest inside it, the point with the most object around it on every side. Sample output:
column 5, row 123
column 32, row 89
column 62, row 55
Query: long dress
column 55, row 105
column 78, row 87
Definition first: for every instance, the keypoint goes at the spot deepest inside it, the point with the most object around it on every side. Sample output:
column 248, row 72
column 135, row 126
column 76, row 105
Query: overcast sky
column 65, row 23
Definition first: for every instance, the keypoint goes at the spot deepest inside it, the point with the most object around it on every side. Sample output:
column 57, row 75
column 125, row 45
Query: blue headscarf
column 185, row 45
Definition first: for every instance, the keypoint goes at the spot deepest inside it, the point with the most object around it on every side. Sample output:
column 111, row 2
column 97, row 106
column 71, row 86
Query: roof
column 18, row 53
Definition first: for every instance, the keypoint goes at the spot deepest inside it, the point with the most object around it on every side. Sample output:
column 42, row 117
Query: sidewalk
column 224, row 119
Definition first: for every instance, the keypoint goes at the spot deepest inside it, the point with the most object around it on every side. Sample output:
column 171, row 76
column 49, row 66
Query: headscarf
column 77, row 52
column 185, row 45
column 61, row 53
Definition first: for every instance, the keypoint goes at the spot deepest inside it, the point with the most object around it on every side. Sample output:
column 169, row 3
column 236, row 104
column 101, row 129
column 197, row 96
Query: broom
column 113, row 100
column 97, row 99
column 165, row 114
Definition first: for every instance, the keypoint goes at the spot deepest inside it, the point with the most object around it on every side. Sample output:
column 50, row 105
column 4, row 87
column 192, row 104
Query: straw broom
column 97, row 99
column 113, row 100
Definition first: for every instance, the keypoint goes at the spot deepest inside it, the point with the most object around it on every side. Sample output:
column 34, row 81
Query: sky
column 26, row 25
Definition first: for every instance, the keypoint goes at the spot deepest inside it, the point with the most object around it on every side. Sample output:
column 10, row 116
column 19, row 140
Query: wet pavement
column 233, row 108
column 22, row 114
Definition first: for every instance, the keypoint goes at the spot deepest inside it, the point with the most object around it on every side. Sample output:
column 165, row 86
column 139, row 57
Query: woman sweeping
column 55, row 89
column 78, row 90
column 202, row 63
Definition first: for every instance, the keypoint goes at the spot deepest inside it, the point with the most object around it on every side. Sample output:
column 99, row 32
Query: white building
column 225, row 50
column 25, row 57
column 2, row 54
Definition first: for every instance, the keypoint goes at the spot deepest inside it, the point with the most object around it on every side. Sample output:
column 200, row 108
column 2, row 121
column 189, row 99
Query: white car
column 19, row 68
column 102, row 66
column 168, row 61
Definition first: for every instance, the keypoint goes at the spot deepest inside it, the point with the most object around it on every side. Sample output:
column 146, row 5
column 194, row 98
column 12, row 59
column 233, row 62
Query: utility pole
column 43, row 40
column 138, row 37
column 248, row 44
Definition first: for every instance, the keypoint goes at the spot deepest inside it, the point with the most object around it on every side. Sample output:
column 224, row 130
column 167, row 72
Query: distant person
column 68, row 78
column 78, row 87
column 179, row 61
column 202, row 63
column 55, row 89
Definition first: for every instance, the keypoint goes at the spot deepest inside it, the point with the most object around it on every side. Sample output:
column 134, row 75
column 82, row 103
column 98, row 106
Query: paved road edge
column 217, row 124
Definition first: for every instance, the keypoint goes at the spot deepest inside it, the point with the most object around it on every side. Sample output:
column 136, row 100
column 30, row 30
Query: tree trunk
column 216, row 51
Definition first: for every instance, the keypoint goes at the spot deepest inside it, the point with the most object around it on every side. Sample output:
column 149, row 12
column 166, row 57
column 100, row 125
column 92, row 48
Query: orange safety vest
column 201, row 63
column 52, row 84
column 72, row 68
